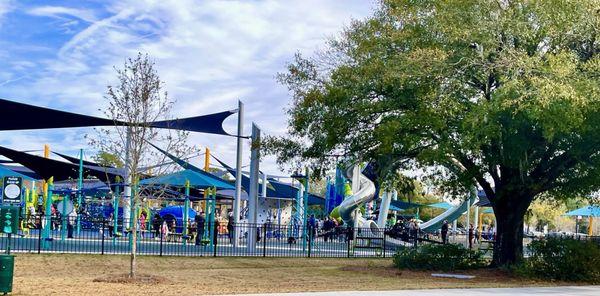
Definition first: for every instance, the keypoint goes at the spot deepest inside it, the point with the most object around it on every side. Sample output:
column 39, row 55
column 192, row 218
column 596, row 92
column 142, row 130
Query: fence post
column 383, row 244
column 310, row 238
column 161, row 241
column 216, row 239
column 264, row 240
column 348, row 242
column 103, row 229
column 40, row 236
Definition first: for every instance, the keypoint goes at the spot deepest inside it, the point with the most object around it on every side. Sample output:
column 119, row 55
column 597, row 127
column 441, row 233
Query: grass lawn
column 61, row 274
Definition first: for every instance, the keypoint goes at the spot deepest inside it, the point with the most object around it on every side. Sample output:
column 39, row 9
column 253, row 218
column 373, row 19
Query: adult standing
column 70, row 222
column 445, row 232
column 199, row 228
column 230, row 226
column 471, row 236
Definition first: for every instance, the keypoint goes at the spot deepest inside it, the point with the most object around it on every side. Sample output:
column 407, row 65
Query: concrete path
column 557, row 291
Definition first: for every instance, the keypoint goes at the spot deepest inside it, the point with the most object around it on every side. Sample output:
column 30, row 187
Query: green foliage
column 505, row 94
column 448, row 257
column 108, row 159
column 563, row 259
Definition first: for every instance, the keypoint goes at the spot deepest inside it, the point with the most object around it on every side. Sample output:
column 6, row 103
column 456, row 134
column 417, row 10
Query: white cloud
column 62, row 12
column 5, row 7
column 208, row 53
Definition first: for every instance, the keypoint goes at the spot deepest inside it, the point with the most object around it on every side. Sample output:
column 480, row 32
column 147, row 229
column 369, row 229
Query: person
column 397, row 229
column 327, row 228
column 471, row 235
column 164, row 229
column 199, row 228
column 230, row 226
column 216, row 230
column 312, row 226
column 70, row 222
column 412, row 227
column 110, row 225
column 172, row 231
column 156, row 225
column 445, row 232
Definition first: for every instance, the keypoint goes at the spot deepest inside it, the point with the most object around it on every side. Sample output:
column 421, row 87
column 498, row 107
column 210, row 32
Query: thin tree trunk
column 132, row 263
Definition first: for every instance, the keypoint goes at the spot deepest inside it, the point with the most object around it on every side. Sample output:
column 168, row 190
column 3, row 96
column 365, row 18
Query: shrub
column 563, row 259
column 446, row 257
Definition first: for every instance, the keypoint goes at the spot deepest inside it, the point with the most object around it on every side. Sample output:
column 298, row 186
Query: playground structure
column 113, row 186
column 254, row 206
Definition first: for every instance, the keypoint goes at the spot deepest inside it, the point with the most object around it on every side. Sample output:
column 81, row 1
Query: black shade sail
column 75, row 160
column 46, row 167
column 19, row 116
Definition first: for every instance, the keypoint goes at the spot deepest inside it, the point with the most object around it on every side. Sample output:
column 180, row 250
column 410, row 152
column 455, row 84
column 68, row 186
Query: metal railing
column 99, row 236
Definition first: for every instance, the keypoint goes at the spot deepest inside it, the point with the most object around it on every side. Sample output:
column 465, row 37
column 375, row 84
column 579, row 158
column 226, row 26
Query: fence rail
column 43, row 235
column 99, row 236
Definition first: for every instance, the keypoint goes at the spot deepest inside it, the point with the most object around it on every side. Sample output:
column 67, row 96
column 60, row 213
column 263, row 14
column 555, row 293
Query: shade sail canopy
column 46, row 167
column 179, row 179
column 188, row 166
column 398, row 205
column 75, row 160
column 210, row 124
column 488, row 211
column 440, row 205
column 19, row 116
column 91, row 187
column 288, row 191
column 278, row 190
column 24, row 171
column 7, row 172
column 589, row 211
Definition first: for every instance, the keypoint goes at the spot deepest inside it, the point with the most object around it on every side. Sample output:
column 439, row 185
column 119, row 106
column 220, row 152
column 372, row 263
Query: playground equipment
column 365, row 192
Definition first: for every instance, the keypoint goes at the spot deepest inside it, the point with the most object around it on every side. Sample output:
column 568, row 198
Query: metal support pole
column 64, row 217
column 186, row 209
column 263, row 191
column 103, row 229
column 238, row 174
column 253, row 190
column 47, row 214
column 80, row 191
column 305, row 209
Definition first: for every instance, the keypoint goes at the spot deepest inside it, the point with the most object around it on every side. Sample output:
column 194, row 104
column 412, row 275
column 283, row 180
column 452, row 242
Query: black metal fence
column 93, row 236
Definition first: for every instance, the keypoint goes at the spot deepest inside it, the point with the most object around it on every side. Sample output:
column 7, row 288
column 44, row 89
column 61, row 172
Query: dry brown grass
column 60, row 274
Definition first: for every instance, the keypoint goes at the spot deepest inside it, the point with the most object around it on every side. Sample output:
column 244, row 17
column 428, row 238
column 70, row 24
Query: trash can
column 7, row 267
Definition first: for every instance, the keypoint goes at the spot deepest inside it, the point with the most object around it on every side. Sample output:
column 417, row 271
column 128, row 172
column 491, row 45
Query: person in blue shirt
column 312, row 226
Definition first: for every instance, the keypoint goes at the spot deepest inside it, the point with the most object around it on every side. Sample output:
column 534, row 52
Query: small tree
column 135, row 102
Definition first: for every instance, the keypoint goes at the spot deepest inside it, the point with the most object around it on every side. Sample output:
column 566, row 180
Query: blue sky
column 61, row 54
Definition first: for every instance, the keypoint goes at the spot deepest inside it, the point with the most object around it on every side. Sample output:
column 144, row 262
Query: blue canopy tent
column 590, row 212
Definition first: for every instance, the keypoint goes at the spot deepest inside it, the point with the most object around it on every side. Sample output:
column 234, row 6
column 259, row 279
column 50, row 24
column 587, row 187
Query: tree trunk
column 132, row 263
column 508, row 249
column 510, row 211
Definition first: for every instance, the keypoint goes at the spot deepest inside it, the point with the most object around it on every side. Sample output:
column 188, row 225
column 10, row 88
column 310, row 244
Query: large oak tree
column 502, row 94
